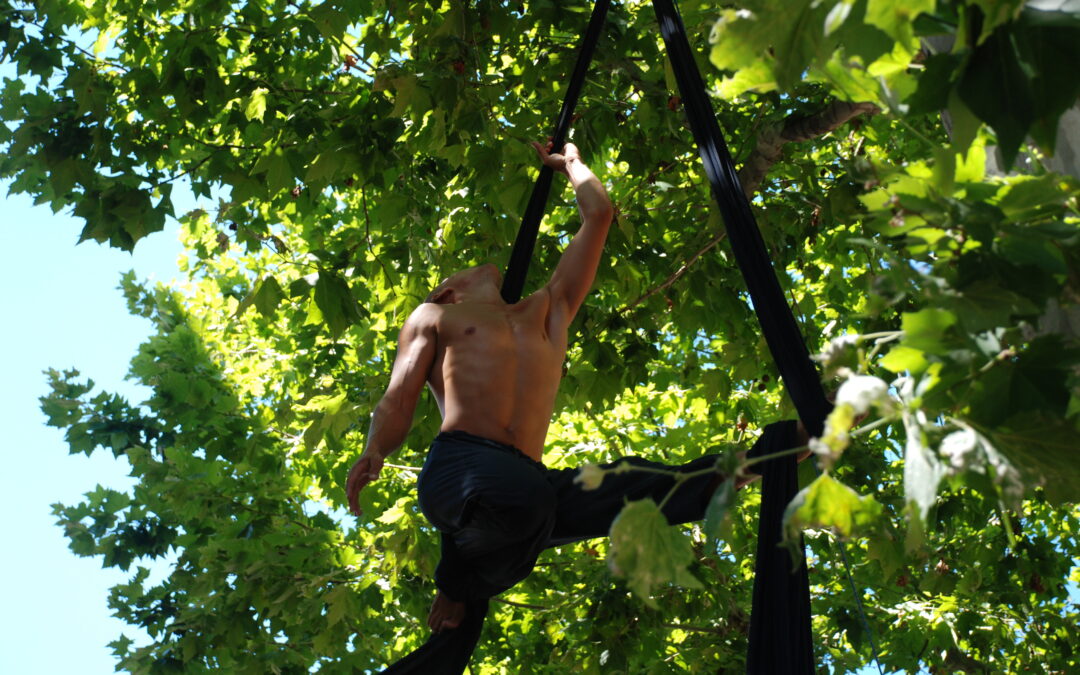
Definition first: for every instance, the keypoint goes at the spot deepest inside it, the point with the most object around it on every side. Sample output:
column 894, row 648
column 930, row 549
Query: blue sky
column 61, row 309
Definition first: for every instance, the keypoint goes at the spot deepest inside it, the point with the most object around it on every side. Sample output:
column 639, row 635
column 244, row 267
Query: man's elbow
column 600, row 215
column 393, row 408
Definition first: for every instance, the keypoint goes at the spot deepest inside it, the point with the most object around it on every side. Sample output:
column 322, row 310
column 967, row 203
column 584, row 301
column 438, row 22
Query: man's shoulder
column 426, row 315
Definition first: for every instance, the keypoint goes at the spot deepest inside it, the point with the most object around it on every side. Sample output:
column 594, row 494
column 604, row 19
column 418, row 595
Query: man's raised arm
column 576, row 270
column 392, row 417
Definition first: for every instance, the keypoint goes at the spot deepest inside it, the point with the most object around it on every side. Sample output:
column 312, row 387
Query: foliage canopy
column 359, row 150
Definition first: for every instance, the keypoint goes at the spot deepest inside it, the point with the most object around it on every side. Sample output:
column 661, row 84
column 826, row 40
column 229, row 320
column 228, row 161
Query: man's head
column 480, row 283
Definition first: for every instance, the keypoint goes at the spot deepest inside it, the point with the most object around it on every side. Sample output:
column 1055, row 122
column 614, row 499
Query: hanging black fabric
column 780, row 637
column 521, row 255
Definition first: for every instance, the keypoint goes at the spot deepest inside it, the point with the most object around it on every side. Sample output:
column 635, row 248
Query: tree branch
column 767, row 152
column 696, row 629
column 521, row 604
column 771, row 140
column 193, row 169
column 677, row 274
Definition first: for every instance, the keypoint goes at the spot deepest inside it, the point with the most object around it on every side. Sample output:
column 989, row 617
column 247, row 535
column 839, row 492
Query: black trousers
column 497, row 509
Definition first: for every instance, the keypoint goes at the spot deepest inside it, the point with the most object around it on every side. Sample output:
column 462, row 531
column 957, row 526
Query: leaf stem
column 413, row 469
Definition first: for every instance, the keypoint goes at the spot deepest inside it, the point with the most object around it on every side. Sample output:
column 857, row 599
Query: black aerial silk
column 780, row 637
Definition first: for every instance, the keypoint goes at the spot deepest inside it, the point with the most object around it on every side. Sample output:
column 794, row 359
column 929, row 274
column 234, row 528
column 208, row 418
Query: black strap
column 780, row 636
column 521, row 255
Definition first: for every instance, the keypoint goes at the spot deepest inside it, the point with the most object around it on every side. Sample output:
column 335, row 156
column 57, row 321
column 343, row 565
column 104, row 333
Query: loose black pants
column 497, row 509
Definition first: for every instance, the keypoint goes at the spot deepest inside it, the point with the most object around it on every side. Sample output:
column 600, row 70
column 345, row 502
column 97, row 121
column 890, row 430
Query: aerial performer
column 494, row 368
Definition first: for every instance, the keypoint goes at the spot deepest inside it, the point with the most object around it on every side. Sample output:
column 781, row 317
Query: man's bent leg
column 587, row 514
column 495, row 510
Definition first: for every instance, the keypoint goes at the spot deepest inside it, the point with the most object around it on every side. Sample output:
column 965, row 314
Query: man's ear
column 443, row 297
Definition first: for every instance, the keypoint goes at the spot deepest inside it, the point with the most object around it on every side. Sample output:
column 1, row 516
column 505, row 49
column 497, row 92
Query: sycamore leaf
column 925, row 330
column 335, row 301
column 719, row 506
column 268, row 296
column 897, row 18
column 829, row 504
column 922, row 475
column 337, row 603
column 1044, row 449
column 255, row 108
column 648, row 552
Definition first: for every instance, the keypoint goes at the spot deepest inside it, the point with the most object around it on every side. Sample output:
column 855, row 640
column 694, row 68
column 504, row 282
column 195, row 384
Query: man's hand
column 365, row 470
column 555, row 160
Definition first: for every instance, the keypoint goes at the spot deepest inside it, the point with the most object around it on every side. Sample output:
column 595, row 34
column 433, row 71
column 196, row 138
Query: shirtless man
column 494, row 370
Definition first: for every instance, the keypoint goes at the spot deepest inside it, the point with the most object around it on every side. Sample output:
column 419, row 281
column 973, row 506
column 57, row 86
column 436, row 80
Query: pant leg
column 495, row 510
column 588, row 514
column 446, row 652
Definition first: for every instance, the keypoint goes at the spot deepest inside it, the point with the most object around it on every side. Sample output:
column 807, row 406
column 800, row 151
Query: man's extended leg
column 587, row 514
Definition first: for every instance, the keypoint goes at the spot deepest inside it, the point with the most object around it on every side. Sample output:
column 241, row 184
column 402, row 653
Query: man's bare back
column 494, row 368
column 497, row 368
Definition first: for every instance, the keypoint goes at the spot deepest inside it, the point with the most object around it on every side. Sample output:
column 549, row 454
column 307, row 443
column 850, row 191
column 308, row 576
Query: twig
column 678, row 273
column 696, row 629
column 521, row 604
column 181, row 175
column 72, row 43
column 413, row 469
column 367, row 235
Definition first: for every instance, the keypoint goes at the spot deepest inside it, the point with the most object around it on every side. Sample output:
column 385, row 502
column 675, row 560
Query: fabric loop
column 521, row 254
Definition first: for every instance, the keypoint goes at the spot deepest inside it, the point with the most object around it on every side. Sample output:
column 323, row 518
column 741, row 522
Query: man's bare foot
column 445, row 613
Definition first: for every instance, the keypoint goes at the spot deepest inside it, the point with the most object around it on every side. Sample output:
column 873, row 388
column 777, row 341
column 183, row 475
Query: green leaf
column 719, row 506
column 925, row 330
column 829, row 504
column 997, row 86
column 896, row 19
column 648, row 552
column 996, row 13
column 323, row 168
column 801, row 44
column 278, row 171
column 887, row 552
column 1035, row 197
column 255, row 108
column 404, row 92
column 337, row 603
column 331, row 22
column 335, row 301
column 268, row 296
column 1045, row 448
column 935, row 84
column 965, row 127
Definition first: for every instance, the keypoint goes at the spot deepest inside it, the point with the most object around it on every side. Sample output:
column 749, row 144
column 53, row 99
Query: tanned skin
column 494, row 368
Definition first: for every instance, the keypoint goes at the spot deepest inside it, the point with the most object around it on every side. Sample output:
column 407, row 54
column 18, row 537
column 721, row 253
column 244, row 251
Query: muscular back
column 494, row 368
column 497, row 369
